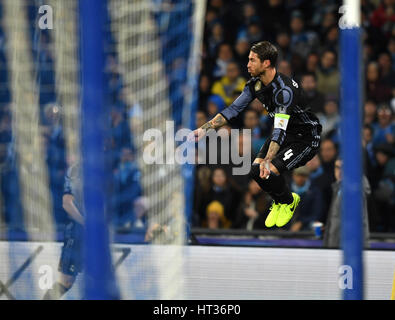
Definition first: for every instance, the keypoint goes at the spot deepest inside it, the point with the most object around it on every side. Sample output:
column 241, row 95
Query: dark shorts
column 293, row 153
column 71, row 257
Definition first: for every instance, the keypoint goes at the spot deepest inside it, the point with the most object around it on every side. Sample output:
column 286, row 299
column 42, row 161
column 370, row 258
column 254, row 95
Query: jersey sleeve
column 283, row 101
column 243, row 100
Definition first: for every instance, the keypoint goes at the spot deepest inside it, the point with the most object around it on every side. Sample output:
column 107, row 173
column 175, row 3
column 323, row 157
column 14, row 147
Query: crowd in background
column 306, row 34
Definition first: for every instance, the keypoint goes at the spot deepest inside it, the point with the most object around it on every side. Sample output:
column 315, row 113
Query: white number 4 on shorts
column 288, row 155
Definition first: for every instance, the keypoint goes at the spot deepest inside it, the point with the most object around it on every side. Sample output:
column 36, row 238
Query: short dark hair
column 266, row 51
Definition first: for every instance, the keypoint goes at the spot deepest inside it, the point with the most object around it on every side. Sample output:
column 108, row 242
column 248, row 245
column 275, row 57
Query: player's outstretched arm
column 217, row 122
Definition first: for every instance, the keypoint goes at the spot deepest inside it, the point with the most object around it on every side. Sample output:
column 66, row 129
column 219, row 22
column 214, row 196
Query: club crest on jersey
column 258, row 86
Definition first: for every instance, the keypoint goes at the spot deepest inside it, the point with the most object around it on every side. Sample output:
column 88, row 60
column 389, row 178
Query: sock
column 57, row 291
column 280, row 188
column 275, row 185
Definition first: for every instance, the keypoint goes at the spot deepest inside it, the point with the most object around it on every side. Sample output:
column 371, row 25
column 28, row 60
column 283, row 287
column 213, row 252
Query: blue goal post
column 98, row 272
column 351, row 146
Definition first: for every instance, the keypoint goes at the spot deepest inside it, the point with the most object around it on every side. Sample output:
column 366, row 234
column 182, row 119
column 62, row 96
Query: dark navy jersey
column 285, row 102
column 73, row 185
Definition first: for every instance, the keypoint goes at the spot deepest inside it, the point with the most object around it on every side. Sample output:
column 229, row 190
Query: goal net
column 150, row 60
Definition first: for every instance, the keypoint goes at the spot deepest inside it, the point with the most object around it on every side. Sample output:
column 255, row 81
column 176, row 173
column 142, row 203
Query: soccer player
column 70, row 261
column 294, row 140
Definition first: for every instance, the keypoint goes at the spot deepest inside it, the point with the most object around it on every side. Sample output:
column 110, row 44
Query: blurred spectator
column 328, row 154
column 204, row 90
column 216, row 38
column 370, row 112
column 330, row 118
column 242, row 50
column 253, row 209
column 312, row 62
column 314, row 99
column 328, row 77
column 386, row 71
column 384, row 187
column 211, row 18
column 384, row 16
column 218, row 5
column 298, row 65
column 251, row 121
column 368, row 148
column 376, row 89
column 328, row 21
column 320, row 9
column 215, row 104
column 284, row 67
column 332, row 38
column 220, row 190
column 254, row 33
column 302, row 41
column 283, row 46
column 114, row 86
column 215, row 216
column 367, row 52
column 274, row 17
column 201, row 118
column 120, row 133
column 127, row 190
column 249, row 16
column 240, row 182
column 310, row 206
column 230, row 83
column 332, row 233
column 384, row 130
column 202, row 188
column 225, row 55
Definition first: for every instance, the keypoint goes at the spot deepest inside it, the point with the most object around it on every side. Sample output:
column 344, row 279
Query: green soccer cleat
column 273, row 214
column 287, row 211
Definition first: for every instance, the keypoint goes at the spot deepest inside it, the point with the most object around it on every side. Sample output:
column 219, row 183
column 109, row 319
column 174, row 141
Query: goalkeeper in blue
column 295, row 137
column 70, row 264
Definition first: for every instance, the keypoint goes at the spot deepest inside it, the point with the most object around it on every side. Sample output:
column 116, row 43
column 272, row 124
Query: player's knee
column 67, row 281
column 255, row 171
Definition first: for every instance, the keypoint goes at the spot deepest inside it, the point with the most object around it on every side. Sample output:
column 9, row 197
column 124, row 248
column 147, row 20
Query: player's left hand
column 196, row 135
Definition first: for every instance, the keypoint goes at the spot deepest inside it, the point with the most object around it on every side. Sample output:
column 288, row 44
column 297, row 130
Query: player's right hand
column 264, row 169
column 197, row 134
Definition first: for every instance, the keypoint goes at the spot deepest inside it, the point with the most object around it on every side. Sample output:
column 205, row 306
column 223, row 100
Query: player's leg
column 293, row 156
column 255, row 170
column 275, row 185
column 277, row 188
column 60, row 288
column 70, row 263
